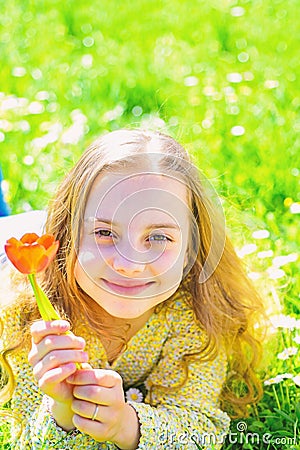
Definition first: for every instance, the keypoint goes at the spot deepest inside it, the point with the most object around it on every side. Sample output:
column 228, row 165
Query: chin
column 125, row 314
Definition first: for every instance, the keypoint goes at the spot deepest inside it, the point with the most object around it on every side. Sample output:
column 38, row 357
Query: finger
column 58, row 358
column 57, row 375
column 101, row 377
column 97, row 430
column 40, row 329
column 87, row 409
column 104, row 414
column 54, row 342
column 83, row 409
column 96, row 394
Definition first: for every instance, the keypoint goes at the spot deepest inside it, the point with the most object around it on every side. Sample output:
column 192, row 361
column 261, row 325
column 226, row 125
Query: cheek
column 89, row 262
column 78, row 272
column 169, row 264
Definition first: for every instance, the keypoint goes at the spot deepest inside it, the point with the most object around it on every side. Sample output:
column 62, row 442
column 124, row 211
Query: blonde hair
column 224, row 303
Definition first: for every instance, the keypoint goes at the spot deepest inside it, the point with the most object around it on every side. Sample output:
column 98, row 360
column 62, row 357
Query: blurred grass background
column 220, row 76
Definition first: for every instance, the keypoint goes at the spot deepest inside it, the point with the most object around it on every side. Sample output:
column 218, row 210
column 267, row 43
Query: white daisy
column 287, row 352
column 134, row 395
column 285, row 375
column 297, row 339
column 296, row 380
column 282, row 321
column 274, row 380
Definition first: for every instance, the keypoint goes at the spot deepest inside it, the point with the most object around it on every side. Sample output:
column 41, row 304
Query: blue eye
column 159, row 238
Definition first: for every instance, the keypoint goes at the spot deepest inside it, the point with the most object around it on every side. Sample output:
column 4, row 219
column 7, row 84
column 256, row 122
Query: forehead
column 114, row 194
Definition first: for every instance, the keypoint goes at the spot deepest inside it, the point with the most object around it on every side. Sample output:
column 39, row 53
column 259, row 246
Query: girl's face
column 134, row 241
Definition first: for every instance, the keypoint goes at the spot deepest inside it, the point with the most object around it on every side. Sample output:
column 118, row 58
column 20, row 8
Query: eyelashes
column 103, row 233
column 159, row 238
column 155, row 238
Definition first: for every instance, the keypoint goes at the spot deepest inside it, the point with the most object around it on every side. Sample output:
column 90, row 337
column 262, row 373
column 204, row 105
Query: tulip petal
column 15, row 242
column 31, row 254
column 46, row 240
column 29, row 238
column 12, row 252
column 41, row 264
column 51, row 251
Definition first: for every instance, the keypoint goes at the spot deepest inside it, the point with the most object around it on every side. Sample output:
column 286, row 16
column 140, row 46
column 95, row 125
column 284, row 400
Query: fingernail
column 81, row 340
column 63, row 324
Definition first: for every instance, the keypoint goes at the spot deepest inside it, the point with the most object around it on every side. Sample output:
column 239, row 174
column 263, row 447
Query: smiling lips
column 129, row 287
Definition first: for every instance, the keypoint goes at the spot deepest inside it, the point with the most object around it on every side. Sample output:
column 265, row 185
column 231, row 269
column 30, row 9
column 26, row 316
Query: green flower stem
column 281, row 393
column 288, row 397
column 45, row 307
column 254, row 406
column 276, row 397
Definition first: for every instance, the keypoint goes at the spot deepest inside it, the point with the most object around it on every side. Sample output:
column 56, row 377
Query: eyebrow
column 153, row 225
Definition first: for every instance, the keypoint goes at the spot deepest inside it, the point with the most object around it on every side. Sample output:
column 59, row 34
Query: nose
column 128, row 265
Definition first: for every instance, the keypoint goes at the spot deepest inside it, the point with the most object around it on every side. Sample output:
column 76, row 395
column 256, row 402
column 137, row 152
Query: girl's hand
column 53, row 356
column 100, row 391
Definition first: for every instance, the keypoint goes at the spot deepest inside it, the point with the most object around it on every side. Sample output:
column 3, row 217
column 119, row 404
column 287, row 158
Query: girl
column 161, row 312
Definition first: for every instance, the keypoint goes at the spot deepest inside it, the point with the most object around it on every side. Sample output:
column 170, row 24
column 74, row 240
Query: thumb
column 107, row 378
column 86, row 366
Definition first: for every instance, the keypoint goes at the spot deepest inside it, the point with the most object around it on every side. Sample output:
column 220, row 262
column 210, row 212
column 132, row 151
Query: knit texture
column 179, row 408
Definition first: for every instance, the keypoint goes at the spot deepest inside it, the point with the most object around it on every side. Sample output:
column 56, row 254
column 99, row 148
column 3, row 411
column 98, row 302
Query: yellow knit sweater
column 170, row 418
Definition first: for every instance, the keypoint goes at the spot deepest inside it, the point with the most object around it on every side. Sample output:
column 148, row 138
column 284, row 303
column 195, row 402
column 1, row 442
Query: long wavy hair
column 224, row 302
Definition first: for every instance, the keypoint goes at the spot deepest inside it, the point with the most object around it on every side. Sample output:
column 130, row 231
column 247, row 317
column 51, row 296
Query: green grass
column 197, row 70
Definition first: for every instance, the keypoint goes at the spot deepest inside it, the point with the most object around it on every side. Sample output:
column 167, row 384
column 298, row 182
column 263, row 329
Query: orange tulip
column 31, row 254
